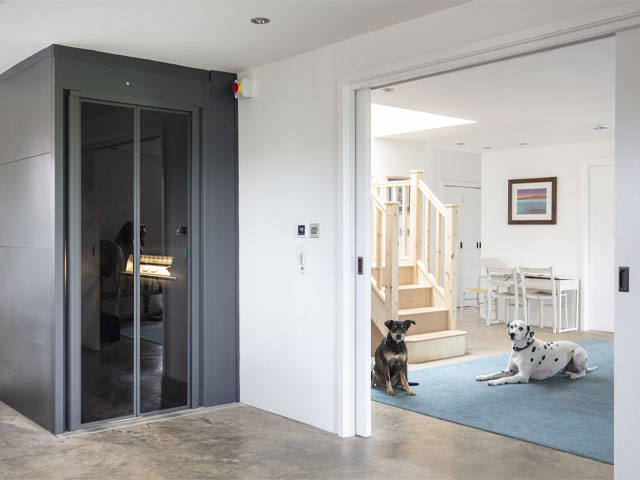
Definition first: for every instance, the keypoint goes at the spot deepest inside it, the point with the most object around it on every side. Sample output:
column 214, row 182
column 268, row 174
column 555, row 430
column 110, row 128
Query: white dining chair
column 503, row 285
column 528, row 281
column 483, row 283
column 476, row 292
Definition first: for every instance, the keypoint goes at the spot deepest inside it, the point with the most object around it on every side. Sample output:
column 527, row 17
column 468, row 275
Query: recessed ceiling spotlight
column 460, row 143
column 524, row 143
column 487, row 148
column 600, row 127
column 388, row 90
column 260, row 20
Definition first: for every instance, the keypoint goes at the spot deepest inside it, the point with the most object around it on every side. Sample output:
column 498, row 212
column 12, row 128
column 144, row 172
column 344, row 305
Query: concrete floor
column 244, row 442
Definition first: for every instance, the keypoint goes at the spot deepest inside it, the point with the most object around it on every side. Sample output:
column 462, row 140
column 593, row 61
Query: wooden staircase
column 409, row 279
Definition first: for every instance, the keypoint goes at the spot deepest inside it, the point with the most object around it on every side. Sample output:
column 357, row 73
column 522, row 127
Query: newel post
column 392, row 258
column 416, row 220
column 450, row 262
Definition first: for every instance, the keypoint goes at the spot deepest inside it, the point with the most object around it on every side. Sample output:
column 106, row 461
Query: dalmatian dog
column 532, row 358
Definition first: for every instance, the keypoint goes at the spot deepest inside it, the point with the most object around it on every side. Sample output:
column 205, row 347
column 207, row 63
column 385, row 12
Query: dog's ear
column 408, row 323
column 530, row 332
column 388, row 323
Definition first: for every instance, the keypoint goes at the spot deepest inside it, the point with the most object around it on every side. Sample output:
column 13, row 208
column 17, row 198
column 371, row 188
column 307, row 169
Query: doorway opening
column 462, row 262
column 129, row 257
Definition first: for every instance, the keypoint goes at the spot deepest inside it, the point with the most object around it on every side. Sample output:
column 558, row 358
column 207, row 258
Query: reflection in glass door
column 130, row 318
column 164, row 267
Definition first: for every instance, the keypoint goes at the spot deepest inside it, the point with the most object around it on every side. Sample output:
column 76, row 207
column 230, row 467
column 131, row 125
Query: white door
column 469, row 248
column 601, row 266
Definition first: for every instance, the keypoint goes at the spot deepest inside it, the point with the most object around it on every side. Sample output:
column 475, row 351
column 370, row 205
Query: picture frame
column 533, row 201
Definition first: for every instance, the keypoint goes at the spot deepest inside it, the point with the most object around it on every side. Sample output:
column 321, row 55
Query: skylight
column 387, row 121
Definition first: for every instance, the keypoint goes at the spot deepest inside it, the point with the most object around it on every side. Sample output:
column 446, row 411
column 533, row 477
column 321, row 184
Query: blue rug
column 574, row 416
column 150, row 333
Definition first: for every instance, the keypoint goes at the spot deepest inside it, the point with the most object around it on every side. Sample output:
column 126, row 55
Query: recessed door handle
column 360, row 266
column 623, row 279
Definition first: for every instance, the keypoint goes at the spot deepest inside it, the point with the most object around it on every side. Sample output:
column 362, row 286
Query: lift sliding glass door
column 128, row 257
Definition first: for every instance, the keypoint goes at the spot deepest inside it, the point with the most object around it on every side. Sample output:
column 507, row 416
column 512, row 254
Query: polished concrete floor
column 244, row 442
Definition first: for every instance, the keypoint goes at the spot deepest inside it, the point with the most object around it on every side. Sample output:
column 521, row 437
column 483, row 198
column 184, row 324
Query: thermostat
column 314, row 230
column 301, row 230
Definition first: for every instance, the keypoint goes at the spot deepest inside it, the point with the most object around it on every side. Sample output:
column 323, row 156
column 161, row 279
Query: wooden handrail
column 399, row 183
column 426, row 191
column 377, row 202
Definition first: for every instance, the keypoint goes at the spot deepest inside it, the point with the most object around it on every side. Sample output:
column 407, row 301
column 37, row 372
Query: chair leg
column 489, row 309
column 557, row 326
column 541, row 313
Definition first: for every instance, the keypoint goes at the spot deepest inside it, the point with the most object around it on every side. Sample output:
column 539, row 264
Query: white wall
column 537, row 245
column 290, row 170
column 627, row 305
column 397, row 157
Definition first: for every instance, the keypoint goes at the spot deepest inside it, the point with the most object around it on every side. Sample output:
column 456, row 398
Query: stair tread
column 420, row 337
column 414, row 311
column 413, row 286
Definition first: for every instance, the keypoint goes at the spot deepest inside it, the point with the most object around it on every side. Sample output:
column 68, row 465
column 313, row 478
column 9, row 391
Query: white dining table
column 564, row 284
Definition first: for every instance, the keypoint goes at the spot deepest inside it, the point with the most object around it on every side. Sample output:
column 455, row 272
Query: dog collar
column 519, row 349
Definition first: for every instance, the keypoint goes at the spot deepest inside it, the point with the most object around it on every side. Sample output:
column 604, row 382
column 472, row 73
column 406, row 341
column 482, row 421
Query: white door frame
column 354, row 414
column 585, row 214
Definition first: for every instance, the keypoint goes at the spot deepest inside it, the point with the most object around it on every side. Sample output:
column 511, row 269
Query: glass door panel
column 128, row 243
column 106, row 239
column 164, row 266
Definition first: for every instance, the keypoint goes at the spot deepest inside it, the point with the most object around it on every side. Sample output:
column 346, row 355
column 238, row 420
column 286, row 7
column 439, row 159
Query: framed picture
column 532, row 201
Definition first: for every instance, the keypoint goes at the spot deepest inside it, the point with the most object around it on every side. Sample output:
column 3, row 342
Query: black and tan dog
column 390, row 368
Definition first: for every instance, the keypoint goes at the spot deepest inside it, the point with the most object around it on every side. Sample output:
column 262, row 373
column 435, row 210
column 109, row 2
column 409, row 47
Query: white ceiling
column 209, row 34
column 548, row 98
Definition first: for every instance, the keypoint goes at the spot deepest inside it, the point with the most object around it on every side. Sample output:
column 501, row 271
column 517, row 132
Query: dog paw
column 392, row 393
column 492, row 383
column 480, row 378
column 411, row 393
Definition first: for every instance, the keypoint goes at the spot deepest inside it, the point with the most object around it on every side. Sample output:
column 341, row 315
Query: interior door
column 601, row 261
column 469, row 247
column 129, row 260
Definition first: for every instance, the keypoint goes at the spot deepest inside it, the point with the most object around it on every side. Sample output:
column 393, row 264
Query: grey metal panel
column 132, row 63
column 220, row 239
column 74, row 265
column 25, row 377
column 26, row 63
column 26, row 293
column 25, row 113
column 25, row 203
column 108, row 79
column 59, row 252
